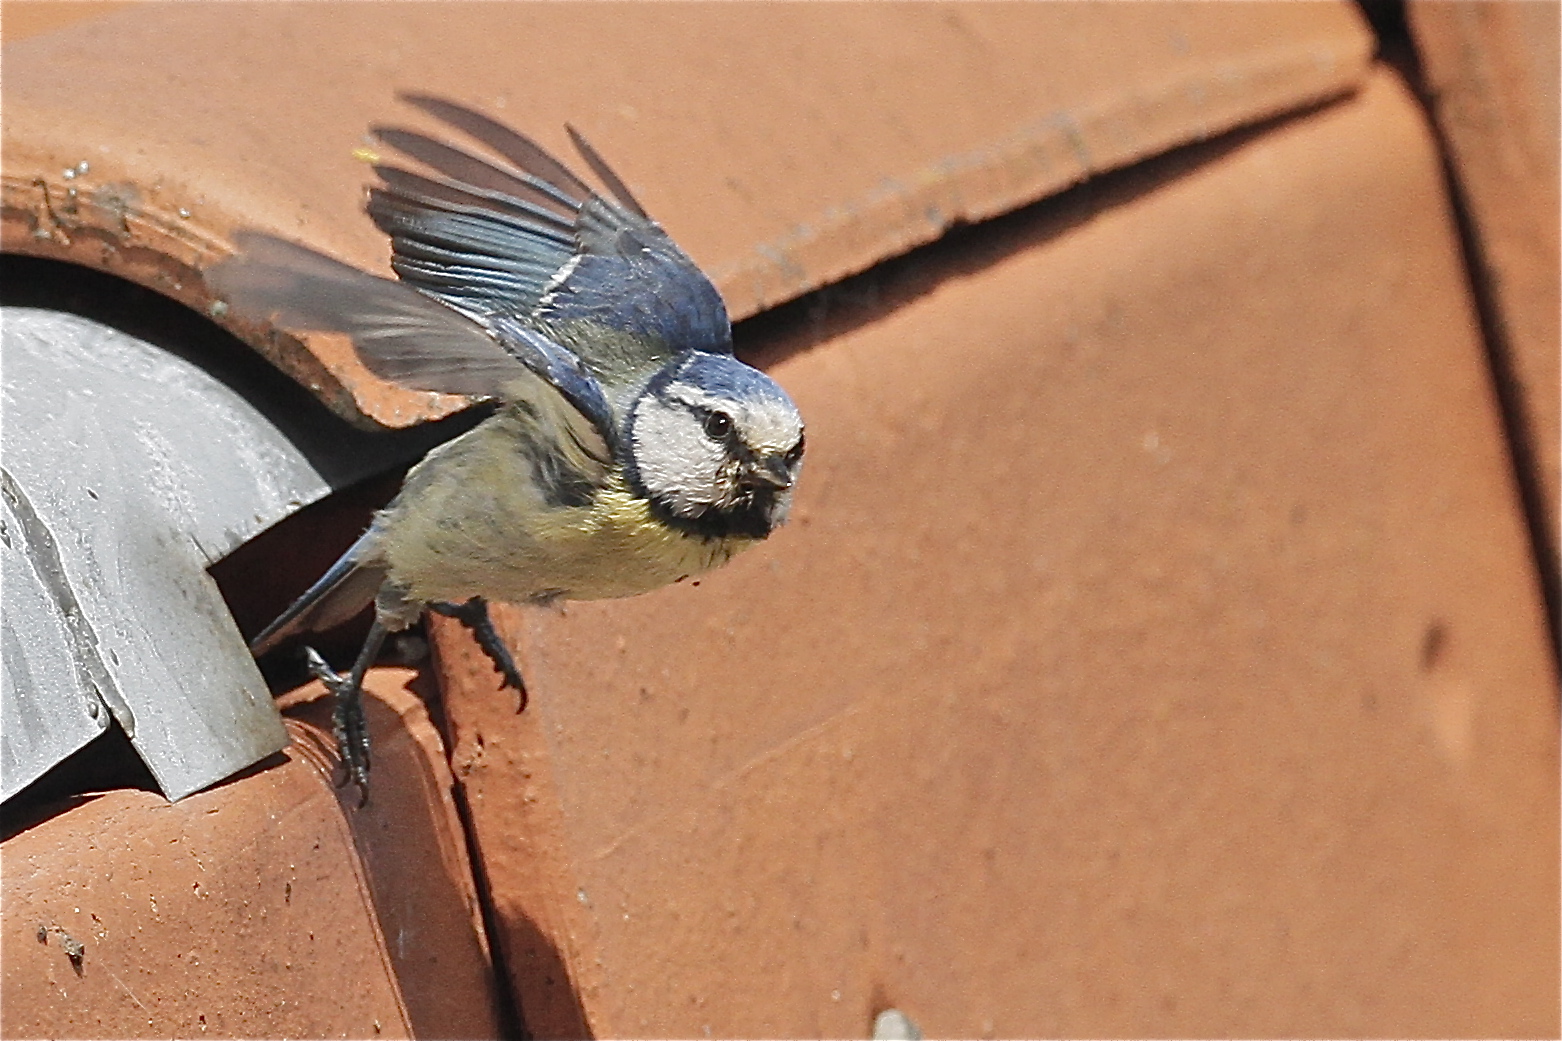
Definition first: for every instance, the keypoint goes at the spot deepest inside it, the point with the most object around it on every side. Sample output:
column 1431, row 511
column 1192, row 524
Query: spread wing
column 520, row 239
column 410, row 339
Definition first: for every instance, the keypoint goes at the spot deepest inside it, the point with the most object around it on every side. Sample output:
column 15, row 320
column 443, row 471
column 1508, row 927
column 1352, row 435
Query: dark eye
column 796, row 451
column 717, row 426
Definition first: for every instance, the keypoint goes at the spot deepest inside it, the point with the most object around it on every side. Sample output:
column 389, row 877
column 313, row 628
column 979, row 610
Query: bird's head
column 716, row 446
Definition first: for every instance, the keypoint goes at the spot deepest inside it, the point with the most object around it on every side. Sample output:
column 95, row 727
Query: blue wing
column 405, row 337
column 523, row 239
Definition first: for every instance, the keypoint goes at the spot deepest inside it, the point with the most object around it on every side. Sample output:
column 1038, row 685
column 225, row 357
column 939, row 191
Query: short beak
column 769, row 473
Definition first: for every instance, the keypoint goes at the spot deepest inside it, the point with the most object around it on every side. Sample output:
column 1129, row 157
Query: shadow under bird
column 630, row 448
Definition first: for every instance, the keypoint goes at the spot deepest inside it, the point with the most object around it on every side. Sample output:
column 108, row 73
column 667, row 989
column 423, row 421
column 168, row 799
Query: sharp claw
column 474, row 615
column 320, row 670
column 348, row 724
column 511, row 676
column 503, row 661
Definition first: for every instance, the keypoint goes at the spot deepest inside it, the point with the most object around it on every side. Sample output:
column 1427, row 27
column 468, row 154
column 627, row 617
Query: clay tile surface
column 1155, row 650
column 260, row 908
column 784, row 145
column 1493, row 71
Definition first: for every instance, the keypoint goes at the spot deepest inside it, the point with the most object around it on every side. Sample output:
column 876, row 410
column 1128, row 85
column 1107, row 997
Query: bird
column 628, row 447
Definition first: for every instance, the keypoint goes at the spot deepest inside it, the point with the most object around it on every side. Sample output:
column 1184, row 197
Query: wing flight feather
column 521, row 236
column 402, row 335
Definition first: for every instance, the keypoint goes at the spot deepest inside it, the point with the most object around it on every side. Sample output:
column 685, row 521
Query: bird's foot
column 347, row 722
column 474, row 615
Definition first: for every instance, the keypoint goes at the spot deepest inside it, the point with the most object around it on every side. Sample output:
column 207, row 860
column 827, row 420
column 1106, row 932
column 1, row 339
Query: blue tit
column 629, row 448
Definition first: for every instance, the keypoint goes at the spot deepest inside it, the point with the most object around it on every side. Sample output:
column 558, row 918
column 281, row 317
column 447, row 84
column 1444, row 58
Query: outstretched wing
column 522, row 238
column 409, row 339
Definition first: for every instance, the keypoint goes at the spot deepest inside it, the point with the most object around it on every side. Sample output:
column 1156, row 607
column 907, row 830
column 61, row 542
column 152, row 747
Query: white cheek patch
column 677, row 462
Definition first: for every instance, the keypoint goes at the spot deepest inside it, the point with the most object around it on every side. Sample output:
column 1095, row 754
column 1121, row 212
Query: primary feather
column 521, row 236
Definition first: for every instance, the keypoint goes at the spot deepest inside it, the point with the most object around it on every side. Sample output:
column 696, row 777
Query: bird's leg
column 348, row 722
column 474, row 615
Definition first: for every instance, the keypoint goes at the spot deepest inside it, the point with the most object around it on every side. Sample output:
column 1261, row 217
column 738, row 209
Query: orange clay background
column 1159, row 646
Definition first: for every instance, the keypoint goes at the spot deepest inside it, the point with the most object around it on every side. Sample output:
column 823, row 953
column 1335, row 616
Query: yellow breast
column 628, row 551
column 511, row 546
